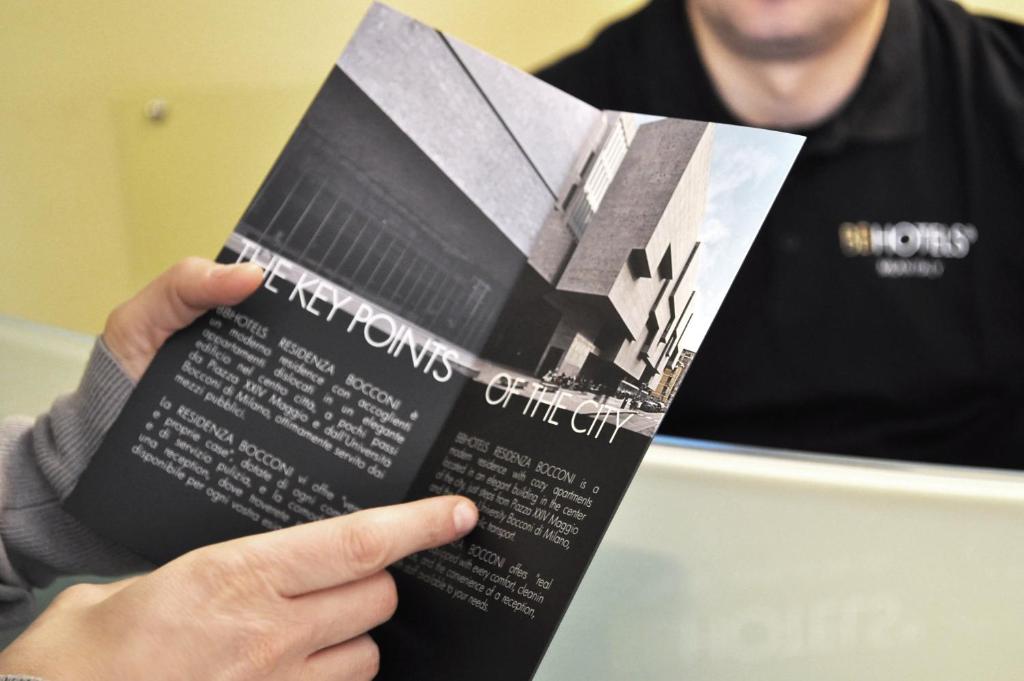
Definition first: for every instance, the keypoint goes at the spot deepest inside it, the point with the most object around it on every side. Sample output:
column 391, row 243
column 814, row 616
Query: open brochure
column 474, row 284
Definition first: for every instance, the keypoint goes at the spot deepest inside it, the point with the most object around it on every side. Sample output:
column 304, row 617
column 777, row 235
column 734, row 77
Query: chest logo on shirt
column 907, row 249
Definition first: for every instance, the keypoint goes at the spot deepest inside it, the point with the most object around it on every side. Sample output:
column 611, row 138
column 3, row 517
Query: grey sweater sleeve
column 40, row 463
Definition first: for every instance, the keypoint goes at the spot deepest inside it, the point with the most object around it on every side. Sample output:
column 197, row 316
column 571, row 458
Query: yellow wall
column 95, row 198
column 1010, row 9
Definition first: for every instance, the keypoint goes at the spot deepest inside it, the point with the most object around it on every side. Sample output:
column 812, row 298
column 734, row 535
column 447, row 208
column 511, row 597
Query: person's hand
column 290, row 604
column 136, row 329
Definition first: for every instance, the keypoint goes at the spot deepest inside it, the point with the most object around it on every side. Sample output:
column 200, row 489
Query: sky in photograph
column 748, row 166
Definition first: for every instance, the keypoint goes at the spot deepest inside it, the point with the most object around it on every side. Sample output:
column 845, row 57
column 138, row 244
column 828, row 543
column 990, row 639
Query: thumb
column 172, row 301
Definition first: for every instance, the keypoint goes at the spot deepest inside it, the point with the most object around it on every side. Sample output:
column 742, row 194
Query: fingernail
column 465, row 516
column 249, row 265
column 219, row 271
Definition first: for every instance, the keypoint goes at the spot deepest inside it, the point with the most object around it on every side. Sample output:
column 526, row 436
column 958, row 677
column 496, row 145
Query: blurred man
column 880, row 312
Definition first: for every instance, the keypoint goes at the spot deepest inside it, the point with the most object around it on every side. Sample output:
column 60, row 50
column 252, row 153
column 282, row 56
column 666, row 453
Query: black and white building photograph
column 571, row 248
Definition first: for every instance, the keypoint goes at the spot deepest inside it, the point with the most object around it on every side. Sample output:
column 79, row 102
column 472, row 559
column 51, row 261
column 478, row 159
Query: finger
column 203, row 284
column 354, row 660
column 137, row 329
column 343, row 612
column 328, row 553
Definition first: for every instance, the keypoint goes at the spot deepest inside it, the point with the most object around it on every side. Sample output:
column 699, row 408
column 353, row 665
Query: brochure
column 475, row 284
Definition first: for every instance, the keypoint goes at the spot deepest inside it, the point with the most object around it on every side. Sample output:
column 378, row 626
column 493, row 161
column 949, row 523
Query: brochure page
column 473, row 283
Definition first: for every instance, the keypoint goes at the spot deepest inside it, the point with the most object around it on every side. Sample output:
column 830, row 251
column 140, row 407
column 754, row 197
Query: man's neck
column 789, row 93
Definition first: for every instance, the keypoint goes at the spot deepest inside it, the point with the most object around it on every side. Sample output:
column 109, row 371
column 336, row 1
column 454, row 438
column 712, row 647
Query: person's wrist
column 80, row 421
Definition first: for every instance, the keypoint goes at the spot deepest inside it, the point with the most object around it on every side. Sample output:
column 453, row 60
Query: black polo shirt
column 881, row 310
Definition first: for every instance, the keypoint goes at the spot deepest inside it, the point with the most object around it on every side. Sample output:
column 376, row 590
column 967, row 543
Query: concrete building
column 628, row 289
column 492, row 209
column 422, row 174
column 671, row 377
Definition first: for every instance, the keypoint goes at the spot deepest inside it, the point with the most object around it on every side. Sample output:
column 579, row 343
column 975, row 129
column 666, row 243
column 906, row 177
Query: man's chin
column 775, row 48
column 781, row 31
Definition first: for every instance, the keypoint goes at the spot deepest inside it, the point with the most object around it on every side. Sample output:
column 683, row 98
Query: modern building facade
column 491, row 209
column 671, row 377
column 628, row 289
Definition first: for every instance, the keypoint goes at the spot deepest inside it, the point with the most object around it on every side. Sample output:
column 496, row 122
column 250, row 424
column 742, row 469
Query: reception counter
column 725, row 565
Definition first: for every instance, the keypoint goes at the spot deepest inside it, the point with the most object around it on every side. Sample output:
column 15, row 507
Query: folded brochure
column 475, row 284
